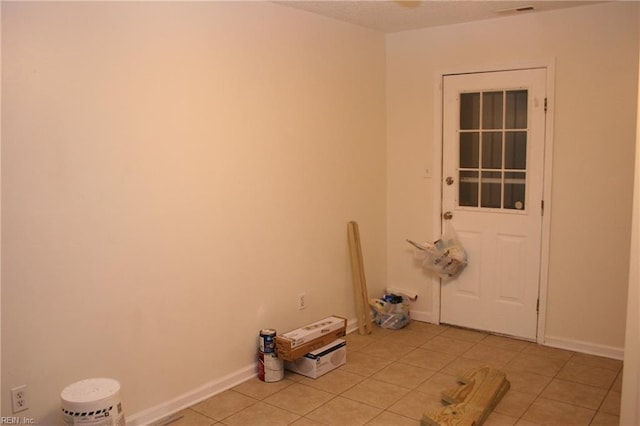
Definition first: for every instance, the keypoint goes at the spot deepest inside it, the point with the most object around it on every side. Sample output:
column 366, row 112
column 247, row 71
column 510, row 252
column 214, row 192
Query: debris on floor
column 390, row 311
column 270, row 367
column 471, row 403
column 297, row 343
column 321, row 361
column 311, row 350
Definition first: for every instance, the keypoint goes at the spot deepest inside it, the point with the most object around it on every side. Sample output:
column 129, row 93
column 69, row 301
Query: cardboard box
column 296, row 343
column 321, row 361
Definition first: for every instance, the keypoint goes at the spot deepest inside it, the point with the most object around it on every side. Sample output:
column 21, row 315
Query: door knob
column 447, row 215
column 449, row 180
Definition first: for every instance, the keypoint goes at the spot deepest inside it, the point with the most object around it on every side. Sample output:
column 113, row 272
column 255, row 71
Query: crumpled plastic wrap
column 390, row 311
column 445, row 257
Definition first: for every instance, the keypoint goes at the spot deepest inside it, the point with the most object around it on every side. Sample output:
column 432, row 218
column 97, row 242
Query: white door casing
column 492, row 170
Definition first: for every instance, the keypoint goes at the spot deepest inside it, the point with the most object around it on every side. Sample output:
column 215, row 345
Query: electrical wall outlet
column 302, row 301
column 19, row 400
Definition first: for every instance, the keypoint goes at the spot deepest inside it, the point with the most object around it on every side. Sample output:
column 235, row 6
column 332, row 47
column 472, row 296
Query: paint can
column 270, row 367
column 268, row 341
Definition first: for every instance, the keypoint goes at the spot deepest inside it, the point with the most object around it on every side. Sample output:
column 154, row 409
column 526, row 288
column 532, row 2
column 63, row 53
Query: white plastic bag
column 446, row 256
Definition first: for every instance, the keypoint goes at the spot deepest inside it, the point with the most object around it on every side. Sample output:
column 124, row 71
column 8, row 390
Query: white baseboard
column 155, row 415
column 423, row 316
column 584, row 347
column 352, row 325
column 553, row 341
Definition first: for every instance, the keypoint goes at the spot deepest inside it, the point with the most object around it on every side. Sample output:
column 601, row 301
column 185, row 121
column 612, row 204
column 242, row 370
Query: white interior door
column 492, row 187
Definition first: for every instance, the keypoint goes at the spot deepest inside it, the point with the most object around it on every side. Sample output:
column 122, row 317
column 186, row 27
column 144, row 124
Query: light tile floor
column 392, row 376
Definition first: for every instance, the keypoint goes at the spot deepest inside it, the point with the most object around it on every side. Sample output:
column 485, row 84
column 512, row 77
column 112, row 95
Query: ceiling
column 399, row 15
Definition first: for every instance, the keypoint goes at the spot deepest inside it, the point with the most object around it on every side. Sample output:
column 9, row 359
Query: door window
column 493, row 149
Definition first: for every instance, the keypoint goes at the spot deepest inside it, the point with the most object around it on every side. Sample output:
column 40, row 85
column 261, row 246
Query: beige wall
column 595, row 49
column 173, row 175
column 629, row 408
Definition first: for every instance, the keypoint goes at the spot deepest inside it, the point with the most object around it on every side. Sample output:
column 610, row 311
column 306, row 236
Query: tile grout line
column 539, row 395
column 363, row 345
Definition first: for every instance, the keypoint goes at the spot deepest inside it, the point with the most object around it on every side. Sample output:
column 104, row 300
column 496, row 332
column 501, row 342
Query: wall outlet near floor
column 302, row 301
column 19, row 400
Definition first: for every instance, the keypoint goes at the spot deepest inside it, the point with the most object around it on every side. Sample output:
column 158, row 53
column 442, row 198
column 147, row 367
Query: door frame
column 549, row 65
